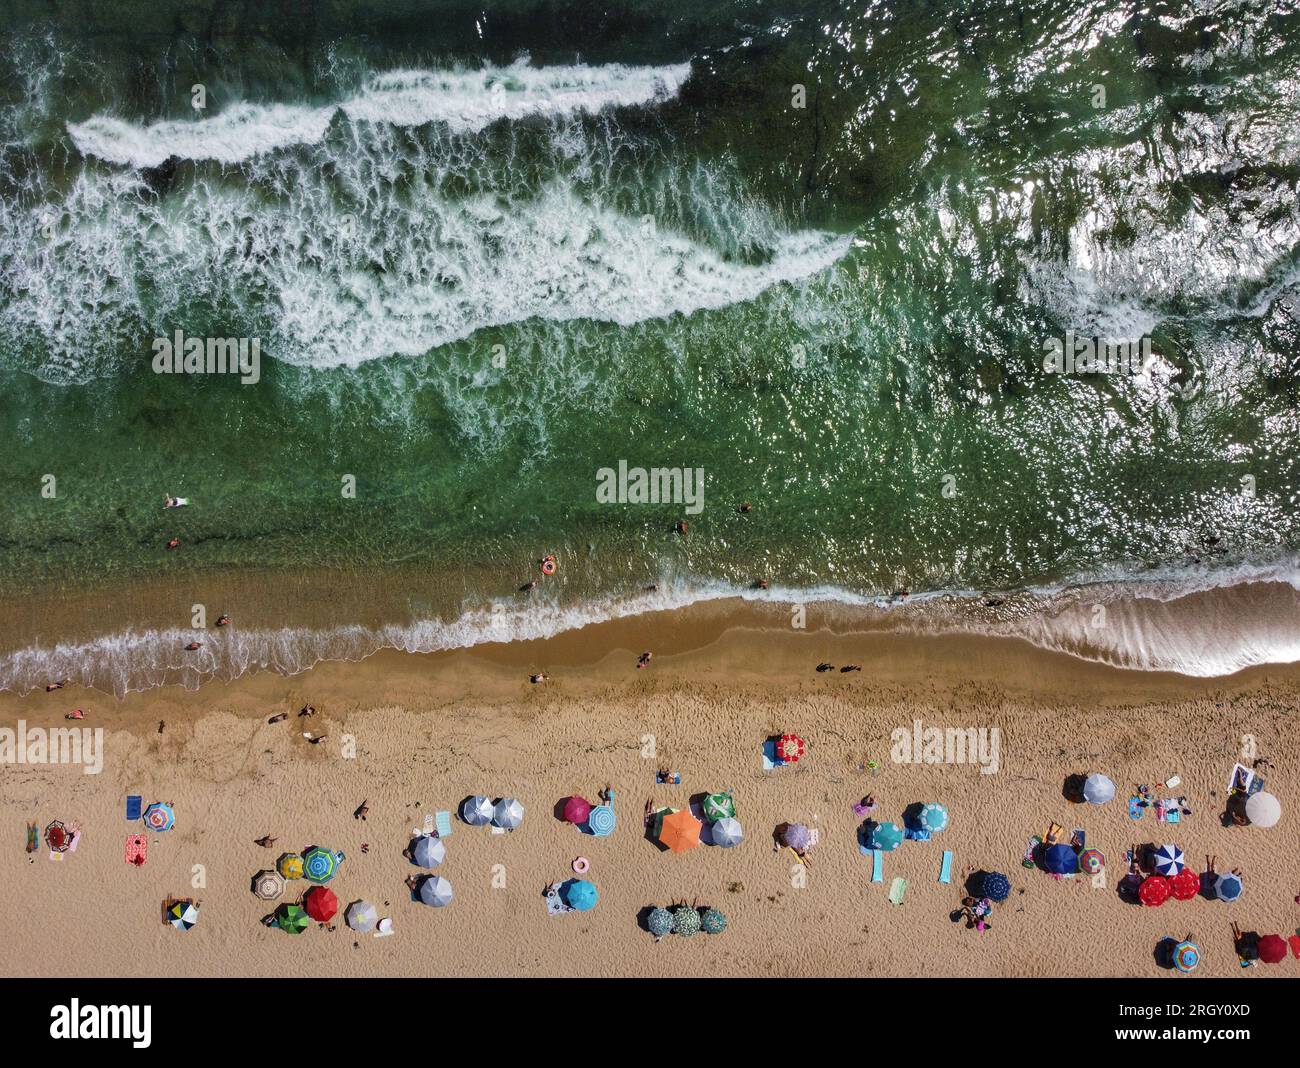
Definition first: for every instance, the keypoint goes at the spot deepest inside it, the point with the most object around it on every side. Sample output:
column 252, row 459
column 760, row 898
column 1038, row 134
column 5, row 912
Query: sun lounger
column 1053, row 833
column 134, row 804
column 814, row 836
column 896, row 890
column 945, row 872
column 877, row 866
column 442, row 820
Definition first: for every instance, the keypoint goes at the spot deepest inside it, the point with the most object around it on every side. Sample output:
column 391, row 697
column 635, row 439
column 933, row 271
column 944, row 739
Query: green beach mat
column 896, row 890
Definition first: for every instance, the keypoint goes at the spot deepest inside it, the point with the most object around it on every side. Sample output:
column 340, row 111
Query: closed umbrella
column 719, row 806
column 1061, row 859
column 1263, row 810
column 320, row 865
column 885, row 836
column 429, row 851
column 797, row 837
column 1098, row 789
column 321, row 904
column 508, row 813
column 1185, row 885
column 183, row 915
column 680, row 831
column 1092, row 861
column 994, row 885
column 728, row 833
column 476, row 811
column 1154, row 891
column 292, row 919
column 268, row 885
column 1227, row 887
column 934, row 817
column 713, row 922
column 1168, row 860
column 1187, row 955
column 436, row 891
column 601, row 821
column 686, row 921
column 660, row 922
column 362, row 916
column 159, row 817
column 579, row 894
column 1272, row 949
column 289, row 865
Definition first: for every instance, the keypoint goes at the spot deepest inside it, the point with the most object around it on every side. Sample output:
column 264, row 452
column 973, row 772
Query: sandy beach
column 428, row 730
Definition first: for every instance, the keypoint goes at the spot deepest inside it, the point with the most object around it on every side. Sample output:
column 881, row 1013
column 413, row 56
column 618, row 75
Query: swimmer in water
column 682, row 527
column 176, row 502
column 643, row 660
column 174, row 543
column 192, row 646
column 539, row 677
column 223, row 621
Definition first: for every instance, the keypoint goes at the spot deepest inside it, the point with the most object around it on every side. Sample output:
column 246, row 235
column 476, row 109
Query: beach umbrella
column 686, row 921
column 436, row 891
column 579, row 894
column 933, row 818
column 1227, row 887
column 289, row 865
column 1263, row 810
column 719, row 807
column 797, row 837
column 159, row 817
column 1185, row 885
column 1061, row 859
column 362, row 917
column 1168, row 860
column 321, row 904
column 789, row 748
column 1098, row 789
column 728, row 833
column 1092, row 861
column 1187, row 955
column 885, row 836
column 508, row 813
column 476, row 811
column 660, row 922
column 577, row 809
column 183, row 915
column 713, row 922
column 57, row 836
column 600, row 821
column 292, row 919
column 1272, row 949
column 429, row 851
column 320, row 865
column 1154, row 890
column 268, row 885
column 680, row 831
column 995, row 886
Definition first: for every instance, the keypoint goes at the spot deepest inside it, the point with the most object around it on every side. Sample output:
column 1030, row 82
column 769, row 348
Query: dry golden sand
column 431, row 729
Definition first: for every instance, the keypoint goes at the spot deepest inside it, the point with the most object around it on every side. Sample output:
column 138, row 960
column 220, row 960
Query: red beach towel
column 137, row 849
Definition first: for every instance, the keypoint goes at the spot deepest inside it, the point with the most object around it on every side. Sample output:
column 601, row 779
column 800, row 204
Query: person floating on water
column 549, row 564
column 176, row 502
column 223, row 620
column 174, row 543
column 52, row 686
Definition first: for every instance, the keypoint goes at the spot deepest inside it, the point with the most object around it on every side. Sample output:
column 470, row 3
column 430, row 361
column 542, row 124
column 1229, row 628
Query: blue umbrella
column 885, row 836
column 600, row 821
column 1061, row 859
column 934, row 817
column 579, row 894
column 995, row 886
column 1169, row 860
column 1227, row 887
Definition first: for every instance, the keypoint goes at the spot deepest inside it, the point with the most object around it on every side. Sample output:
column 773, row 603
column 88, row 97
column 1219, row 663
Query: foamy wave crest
column 465, row 101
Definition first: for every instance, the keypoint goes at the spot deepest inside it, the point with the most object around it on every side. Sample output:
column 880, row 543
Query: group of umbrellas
column 428, row 852
column 315, row 864
column 505, row 812
column 597, row 820
column 678, row 830
column 888, row 836
column 685, row 920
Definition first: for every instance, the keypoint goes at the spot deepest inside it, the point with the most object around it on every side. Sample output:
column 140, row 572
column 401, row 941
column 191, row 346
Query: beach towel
column 945, row 872
column 769, row 755
column 137, row 849
column 442, row 820
column 1135, row 807
column 1079, row 838
column 134, row 806
column 896, row 890
column 877, row 866
column 32, row 838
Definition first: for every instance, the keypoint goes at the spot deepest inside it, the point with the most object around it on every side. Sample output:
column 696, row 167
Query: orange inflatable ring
column 548, row 566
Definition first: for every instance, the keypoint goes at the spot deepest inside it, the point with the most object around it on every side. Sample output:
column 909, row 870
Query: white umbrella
column 436, row 891
column 476, row 811
column 727, row 832
column 362, row 916
column 1098, row 789
column 508, row 813
column 429, row 852
column 1263, row 810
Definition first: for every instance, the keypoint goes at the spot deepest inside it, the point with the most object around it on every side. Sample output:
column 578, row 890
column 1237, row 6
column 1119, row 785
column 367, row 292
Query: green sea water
column 814, row 249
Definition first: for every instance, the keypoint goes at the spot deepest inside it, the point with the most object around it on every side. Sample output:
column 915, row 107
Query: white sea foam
column 465, row 100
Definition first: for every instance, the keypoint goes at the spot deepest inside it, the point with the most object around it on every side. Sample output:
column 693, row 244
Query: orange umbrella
column 679, row 831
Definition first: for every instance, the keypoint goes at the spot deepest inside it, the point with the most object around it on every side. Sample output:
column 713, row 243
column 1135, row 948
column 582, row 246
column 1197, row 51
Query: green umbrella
column 686, row 921
column 719, row 807
column 714, row 922
column 292, row 919
column 660, row 922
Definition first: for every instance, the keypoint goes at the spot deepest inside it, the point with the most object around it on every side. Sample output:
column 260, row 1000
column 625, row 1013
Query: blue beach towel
column 945, row 872
column 133, row 806
column 442, row 821
column 877, row 866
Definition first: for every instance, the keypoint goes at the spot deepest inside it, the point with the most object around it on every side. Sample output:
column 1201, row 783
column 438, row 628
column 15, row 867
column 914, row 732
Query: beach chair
column 877, row 866
column 896, row 890
column 945, row 871
column 1053, row 833
column 442, row 820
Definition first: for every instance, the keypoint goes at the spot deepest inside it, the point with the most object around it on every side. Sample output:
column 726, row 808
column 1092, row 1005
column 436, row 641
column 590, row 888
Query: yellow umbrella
column 290, row 866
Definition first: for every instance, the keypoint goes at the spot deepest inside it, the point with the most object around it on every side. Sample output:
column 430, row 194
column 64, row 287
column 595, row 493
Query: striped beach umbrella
column 57, row 836
column 600, row 821
column 1154, row 891
column 1227, row 887
column 934, row 817
column 579, row 894
column 321, row 904
column 1168, row 860
column 268, row 885
column 183, row 915
column 1187, row 955
column 1098, row 789
column 1185, row 885
column 476, row 811
column 1092, row 861
column 429, row 851
column 719, row 806
column 159, row 817
column 885, row 836
column 289, row 865
column 436, row 890
column 362, row 917
column 680, row 831
column 727, row 833
column 686, row 921
column 713, row 922
column 508, row 813
column 292, row 919
column 660, row 922
column 320, row 865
